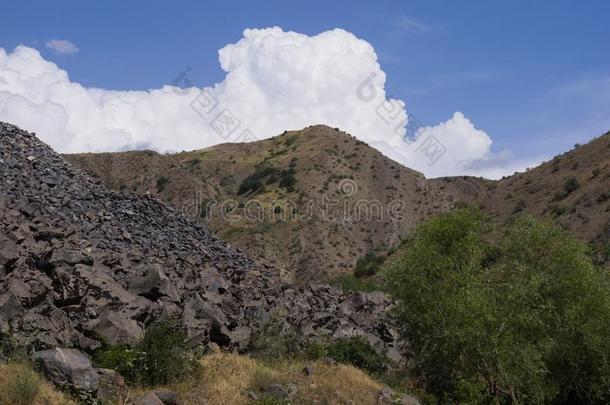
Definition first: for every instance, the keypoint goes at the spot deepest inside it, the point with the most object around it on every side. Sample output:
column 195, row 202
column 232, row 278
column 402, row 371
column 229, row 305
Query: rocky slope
column 80, row 264
column 349, row 199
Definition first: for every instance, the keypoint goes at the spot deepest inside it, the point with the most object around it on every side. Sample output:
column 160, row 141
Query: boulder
column 117, row 329
column 152, row 283
column 111, row 387
column 68, row 369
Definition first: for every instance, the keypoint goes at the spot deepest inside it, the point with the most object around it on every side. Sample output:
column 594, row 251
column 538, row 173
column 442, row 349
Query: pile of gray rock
column 80, row 264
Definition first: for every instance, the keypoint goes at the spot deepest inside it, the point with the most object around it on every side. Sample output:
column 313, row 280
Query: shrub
column 161, row 357
column 368, row 265
column 354, row 350
column 7, row 345
column 166, row 357
column 558, row 210
column 571, row 185
column 276, row 340
column 515, row 314
column 351, row 283
column 254, row 182
column 161, row 183
column 191, row 164
column 603, row 197
column 126, row 361
column 287, row 179
column 595, row 172
column 520, row 206
column 290, row 140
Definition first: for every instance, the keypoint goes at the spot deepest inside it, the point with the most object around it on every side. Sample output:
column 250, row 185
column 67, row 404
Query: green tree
column 510, row 314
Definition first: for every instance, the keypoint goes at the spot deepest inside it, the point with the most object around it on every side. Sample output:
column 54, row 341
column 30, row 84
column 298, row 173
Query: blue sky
column 533, row 75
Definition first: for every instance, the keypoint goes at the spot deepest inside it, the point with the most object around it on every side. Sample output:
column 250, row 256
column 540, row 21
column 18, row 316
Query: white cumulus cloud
column 275, row 80
column 62, row 46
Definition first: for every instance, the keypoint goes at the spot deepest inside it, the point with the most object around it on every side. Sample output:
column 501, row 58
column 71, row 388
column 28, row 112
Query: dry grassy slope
column 585, row 211
column 20, row 385
column 324, row 247
column 544, row 191
column 230, row 378
column 319, row 248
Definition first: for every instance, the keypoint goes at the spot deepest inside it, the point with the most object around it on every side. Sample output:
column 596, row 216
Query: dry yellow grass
column 228, row 378
column 20, row 385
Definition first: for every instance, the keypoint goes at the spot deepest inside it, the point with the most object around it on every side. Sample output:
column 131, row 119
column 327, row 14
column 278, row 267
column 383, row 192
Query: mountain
column 347, row 200
column 309, row 203
column 81, row 265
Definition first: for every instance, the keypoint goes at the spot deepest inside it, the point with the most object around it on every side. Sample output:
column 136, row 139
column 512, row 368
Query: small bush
column 571, row 185
column 254, row 182
column 7, row 346
column 355, row 351
column 292, row 139
column 262, row 377
column 368, row 265
column 161, row 183
column 287, row 179
column 123, row 359
column 192, row 164
column 603, row 197
column 521, row 205
column 596, row 171
column 166, row 357
column 276, row 340
column 351, row 283
column 161, row 357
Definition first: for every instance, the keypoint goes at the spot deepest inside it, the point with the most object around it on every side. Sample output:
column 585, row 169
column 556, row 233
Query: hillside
column 573, row 189
column 345, row 201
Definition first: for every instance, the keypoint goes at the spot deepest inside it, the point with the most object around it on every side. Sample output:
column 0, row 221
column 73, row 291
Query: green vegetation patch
column 265, row 174
column 510, row 314
column 160, row 358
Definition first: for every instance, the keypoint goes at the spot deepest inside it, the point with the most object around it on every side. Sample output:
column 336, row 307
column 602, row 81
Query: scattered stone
column 150, row 398
column 277, row 391
column 308, row 370
column 329, row 361
column 168, row 397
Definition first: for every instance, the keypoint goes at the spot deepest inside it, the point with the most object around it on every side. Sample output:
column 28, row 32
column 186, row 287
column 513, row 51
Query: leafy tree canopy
column 514, row 313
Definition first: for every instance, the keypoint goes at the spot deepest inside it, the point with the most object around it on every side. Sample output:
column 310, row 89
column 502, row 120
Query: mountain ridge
column 323, row 160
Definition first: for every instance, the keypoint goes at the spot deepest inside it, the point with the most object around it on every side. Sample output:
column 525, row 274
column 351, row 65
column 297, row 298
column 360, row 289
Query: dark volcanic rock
column 79, row 263
column 69, row 369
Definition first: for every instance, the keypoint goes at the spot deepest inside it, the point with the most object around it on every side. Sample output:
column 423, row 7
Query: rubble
column 80, row 264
